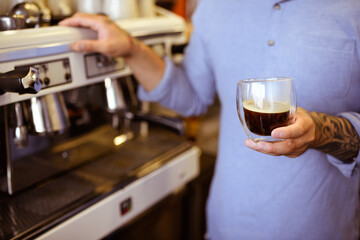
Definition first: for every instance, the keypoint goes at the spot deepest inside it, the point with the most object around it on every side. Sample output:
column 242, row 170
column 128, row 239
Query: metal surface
column 61, row 70
column 51, row 45
column 21, row 138
column 122, row 206
column 24, row 211
column 38, row 208
column 30, row 11
column 50, row 176
column 11, row 22
column 114, row 95
column 89, row 6
column 49, row 114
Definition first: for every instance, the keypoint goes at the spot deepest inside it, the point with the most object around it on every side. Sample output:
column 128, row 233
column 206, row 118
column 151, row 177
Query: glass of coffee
column 264, row 104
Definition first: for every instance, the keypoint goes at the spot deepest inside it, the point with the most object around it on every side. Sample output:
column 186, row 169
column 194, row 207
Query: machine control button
column 46, row 80
column 97, row 64
column 67, row 76
column 125, row 206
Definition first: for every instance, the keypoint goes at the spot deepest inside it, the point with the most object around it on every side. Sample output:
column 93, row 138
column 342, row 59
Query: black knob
column 46, row 80
column 67, row 76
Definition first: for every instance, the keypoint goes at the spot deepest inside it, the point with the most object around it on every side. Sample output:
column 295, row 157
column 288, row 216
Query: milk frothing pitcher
column 49, row 114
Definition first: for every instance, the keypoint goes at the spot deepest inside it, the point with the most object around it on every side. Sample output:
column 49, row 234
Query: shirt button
column 271, row 43
column 277, row 6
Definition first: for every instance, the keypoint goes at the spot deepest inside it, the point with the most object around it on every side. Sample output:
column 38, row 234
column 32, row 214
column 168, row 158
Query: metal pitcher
column 49, row 114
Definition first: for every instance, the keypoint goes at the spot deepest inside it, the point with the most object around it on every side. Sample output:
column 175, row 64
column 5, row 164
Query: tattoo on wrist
column 335, row 136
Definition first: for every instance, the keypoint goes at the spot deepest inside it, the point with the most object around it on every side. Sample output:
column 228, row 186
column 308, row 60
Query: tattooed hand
column 112, row 40
column 329, row 134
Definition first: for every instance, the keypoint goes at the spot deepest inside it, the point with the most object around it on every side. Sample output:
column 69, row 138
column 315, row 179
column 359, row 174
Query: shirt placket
column 277, row 12
column 274, row 38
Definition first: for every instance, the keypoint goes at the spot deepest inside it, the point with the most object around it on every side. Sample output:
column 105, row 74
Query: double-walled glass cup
column 264, row 104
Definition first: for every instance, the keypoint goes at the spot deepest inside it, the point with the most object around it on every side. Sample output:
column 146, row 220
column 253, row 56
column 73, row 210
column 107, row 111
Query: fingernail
column 277, row 134
column 249, row 143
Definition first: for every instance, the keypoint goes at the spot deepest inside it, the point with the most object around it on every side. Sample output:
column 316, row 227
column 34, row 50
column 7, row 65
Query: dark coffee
column 262, row 121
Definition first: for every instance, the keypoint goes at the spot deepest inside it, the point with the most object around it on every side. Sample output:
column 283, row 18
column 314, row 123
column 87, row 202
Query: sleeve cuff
column 347, row 169
column 160, row 90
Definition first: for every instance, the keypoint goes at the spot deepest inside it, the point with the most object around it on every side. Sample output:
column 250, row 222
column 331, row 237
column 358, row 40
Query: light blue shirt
column 316, row 42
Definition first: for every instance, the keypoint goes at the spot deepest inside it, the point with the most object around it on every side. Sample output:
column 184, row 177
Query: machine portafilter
column 21, row 80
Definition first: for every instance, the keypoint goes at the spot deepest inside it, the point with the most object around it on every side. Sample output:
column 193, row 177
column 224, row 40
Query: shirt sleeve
column 188, row 87
column 347, row 169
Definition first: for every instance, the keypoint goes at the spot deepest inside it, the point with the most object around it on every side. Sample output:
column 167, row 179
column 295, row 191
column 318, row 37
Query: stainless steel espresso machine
column 80, row 155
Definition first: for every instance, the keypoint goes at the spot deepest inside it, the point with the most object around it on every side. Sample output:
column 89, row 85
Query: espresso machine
column 76, row 143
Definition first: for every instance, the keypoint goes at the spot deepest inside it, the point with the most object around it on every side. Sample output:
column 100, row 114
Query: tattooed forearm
column 335, row 136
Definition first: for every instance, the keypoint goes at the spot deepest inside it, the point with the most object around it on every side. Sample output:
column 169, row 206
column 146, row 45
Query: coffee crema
column 262, row 120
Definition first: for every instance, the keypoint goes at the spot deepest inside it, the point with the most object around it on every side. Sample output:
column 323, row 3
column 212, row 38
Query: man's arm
column 335, row 136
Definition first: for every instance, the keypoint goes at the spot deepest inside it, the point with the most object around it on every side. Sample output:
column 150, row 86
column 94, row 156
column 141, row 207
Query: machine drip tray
column 33, row 211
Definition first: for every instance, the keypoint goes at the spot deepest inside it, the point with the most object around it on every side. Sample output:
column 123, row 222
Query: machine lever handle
column 20, row 80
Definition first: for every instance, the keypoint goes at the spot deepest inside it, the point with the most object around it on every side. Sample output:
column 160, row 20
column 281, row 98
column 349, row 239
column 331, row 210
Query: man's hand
column 297, row 137
column 112, row 40
column 329, row 134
